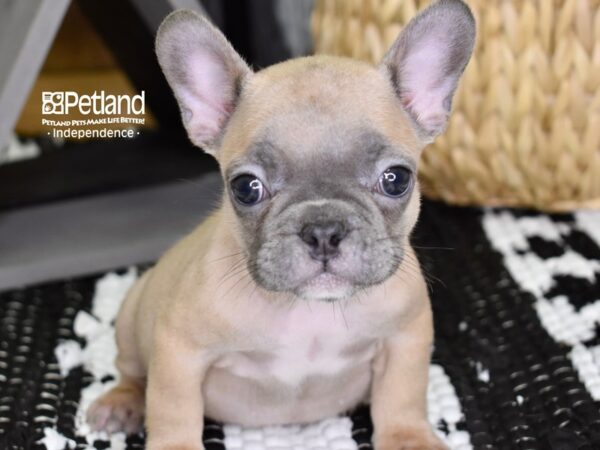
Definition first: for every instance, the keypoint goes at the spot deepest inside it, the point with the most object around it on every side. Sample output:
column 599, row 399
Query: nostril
column 309, row 236
column 335, row 239
column 312, row 241
column 337, row 232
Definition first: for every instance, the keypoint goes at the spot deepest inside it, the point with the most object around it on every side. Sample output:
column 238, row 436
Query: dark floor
column 38, row 243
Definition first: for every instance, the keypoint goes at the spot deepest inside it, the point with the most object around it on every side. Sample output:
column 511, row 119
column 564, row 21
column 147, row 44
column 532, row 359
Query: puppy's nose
column 323, row 239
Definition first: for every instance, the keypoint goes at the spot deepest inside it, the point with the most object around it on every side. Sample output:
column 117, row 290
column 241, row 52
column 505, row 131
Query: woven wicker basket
column 525, row 129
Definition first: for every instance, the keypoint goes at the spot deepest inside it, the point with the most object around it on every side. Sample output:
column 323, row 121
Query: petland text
column 98, row 103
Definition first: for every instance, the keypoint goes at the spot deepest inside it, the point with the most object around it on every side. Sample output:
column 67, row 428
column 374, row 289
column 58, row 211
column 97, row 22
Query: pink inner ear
column 424, row 87
column 207, row 94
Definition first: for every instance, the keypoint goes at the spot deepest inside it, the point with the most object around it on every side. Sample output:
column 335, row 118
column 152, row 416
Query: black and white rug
column 516, row 365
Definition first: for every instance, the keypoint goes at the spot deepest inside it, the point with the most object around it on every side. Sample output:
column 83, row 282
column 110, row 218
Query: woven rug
column 516, row 364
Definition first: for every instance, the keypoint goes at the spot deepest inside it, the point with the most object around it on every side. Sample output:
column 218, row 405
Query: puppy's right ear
column 205, row 73
column 427, row 60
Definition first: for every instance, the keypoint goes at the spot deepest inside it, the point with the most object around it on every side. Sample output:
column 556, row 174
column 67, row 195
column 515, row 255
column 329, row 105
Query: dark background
column 75, row 169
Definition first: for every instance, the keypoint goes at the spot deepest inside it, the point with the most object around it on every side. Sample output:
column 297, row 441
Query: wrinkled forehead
column 346, row 152
column 307, row 109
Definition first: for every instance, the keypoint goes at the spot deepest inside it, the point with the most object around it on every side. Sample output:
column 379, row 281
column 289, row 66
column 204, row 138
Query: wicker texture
column 525, row 127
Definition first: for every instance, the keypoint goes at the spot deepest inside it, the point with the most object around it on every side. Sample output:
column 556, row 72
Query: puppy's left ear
column 205, row 73
column 427, row 60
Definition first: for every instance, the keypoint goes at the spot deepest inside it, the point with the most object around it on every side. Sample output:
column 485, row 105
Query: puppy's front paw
column 416, row 437
column 120, row 409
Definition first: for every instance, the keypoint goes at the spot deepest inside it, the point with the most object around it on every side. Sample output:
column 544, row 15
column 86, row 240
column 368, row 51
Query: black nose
column 323, row 239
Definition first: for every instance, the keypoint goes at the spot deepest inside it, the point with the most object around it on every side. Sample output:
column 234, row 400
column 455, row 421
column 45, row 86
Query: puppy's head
column 319, row 155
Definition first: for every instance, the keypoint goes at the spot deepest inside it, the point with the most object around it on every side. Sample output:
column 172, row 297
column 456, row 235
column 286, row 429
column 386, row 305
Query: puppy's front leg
column 174, row 407
column 399, row 392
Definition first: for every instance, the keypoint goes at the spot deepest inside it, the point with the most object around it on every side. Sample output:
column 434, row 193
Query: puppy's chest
column 306, row 342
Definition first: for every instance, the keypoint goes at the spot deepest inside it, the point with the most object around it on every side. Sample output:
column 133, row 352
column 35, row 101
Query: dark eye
column 247, row 189
column 395, row 181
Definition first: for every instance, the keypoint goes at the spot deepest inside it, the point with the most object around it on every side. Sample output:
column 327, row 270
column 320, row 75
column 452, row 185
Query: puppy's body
column 274, row 361
column 301, row 296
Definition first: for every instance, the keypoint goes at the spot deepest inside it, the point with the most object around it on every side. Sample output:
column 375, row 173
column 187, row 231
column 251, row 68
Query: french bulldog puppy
column 300, row 296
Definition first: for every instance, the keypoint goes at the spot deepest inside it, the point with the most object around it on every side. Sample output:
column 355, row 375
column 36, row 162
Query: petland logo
column 99, row 103
column 95, row 116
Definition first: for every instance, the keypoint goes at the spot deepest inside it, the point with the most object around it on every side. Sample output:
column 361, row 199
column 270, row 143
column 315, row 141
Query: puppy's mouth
column 325, row 286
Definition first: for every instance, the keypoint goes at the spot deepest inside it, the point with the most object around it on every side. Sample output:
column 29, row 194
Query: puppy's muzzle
column 323, row 239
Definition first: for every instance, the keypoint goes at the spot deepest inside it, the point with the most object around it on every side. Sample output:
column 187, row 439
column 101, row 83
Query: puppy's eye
column 395, row 181
column 247, row 189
